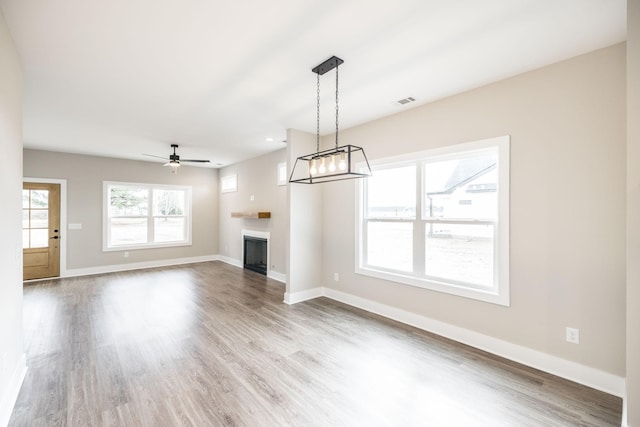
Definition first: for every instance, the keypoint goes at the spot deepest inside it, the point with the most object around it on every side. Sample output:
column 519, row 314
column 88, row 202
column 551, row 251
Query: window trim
column 499, row 293
column 282, row 173
column 229, row 183
column 188, row 215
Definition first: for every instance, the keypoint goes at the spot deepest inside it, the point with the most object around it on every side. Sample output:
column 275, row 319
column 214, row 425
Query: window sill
column 490, row 296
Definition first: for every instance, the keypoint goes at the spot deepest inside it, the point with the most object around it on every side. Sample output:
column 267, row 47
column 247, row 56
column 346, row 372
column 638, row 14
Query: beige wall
column 11, row 351
column 567, row 127
column 633, row 213
column 85, row 176
column 258, row 178
column 306, row 238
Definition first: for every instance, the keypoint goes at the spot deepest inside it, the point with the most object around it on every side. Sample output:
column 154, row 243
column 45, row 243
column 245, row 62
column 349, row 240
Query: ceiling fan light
column 174, row 160
column 174, row 165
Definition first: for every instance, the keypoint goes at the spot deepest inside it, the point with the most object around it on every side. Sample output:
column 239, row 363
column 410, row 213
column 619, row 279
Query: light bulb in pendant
column 322, row 168
column 343, row 163
column 332, row 164
column 312, row 169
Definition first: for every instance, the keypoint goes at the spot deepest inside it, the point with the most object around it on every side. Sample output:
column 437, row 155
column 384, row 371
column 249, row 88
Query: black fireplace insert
column 255, row 254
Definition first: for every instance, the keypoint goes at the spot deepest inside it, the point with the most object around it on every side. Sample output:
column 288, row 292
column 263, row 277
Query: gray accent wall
column 85, row 176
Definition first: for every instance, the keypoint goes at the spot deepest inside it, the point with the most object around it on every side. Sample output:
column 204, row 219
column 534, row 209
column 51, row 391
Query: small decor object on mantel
column 251, row 215
column 337, row 163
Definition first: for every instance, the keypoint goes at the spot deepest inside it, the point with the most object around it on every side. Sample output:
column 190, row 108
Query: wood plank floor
column 212, row 345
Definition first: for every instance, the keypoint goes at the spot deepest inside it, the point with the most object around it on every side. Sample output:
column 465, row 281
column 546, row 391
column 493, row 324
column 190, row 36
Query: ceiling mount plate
column 327, row 65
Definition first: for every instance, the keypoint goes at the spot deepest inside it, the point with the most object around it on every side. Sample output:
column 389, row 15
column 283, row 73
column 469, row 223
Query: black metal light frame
column 349, row 156
column 338, row 175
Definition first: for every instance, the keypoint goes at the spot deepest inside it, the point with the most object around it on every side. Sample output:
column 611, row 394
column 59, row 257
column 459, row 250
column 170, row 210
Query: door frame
column 63, row 219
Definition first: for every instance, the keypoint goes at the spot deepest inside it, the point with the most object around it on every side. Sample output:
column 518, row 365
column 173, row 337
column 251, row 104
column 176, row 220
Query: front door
column 40, row 230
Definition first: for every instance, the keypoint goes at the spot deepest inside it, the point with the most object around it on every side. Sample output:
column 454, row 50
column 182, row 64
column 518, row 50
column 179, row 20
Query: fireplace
column 255, row 254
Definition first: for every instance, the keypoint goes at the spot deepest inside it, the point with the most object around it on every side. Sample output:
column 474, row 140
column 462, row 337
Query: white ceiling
column 120, row 78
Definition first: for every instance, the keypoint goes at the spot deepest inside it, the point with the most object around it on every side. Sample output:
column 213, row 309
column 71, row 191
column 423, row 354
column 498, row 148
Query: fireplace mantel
column 251, row 215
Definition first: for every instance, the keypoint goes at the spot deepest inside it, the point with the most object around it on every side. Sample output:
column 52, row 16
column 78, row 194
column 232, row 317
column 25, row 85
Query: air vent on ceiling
column 406, row 100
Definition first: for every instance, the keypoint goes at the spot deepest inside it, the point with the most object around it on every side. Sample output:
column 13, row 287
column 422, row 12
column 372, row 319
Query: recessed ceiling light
column 269, row 139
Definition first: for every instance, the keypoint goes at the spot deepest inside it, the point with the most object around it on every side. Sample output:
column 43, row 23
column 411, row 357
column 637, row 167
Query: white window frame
column 229, row 184
column 282, row 173
column 499, row 292
column 106, row 223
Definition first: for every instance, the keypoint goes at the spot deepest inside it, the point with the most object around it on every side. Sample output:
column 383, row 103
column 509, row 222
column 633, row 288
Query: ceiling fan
column 174, row 159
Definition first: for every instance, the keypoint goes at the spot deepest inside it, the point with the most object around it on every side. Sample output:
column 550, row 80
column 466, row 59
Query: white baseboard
column 137, row 266
column 585, row 375
column 293, row 298
column 230, row 261
column 280, row 277
column 10, row 395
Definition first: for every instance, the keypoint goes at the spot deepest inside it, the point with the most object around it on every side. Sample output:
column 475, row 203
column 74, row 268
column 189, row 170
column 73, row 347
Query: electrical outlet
column 126, row 254
column 336, row 277
column 573, row 335
column 252, row 198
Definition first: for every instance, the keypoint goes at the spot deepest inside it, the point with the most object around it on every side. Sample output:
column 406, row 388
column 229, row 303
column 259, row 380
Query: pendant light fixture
column 335, row 164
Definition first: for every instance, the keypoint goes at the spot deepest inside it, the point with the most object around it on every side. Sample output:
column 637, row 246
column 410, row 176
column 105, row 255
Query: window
column 144, row 216
column 35, row 218
column 229, row 184
column 282, row 173
column 440, row 220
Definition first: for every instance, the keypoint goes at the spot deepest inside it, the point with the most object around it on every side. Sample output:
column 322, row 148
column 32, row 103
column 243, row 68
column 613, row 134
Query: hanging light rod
column 335, row 164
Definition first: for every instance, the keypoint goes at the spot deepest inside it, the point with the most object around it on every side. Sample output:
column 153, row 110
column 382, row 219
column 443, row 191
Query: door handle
column 55, row 237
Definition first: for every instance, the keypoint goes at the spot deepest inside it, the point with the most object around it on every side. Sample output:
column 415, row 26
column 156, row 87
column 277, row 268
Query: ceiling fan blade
column 174, row 159
column 151, row 155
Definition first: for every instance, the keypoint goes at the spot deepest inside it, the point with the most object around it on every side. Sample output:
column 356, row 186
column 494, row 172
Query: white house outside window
column 440, row 220
column 145, row 216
